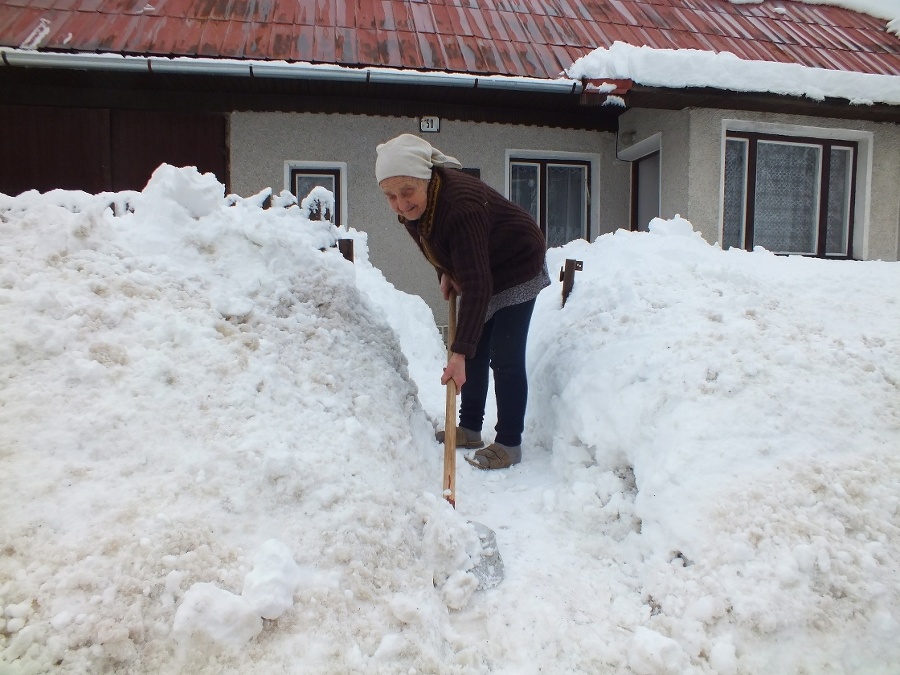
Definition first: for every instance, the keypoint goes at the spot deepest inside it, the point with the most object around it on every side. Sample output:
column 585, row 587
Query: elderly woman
column 489, row 251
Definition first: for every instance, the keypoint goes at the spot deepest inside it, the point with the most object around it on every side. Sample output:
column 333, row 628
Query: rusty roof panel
column 475, row 23
column 365, row 16
column 345, row 45
column 390, row 51
column 469, row 22
column 535, row 38
column 384, row 16
column 304, row 41
column 492, row 61
column 325, row 12
column 511, row 61
column 344, row 13
column 410, row 56
column 513, row 26
column 367, row 44
column 582, row 34
column 530, row 30
column 281, row 42
column 402, row 16
column 431, row 50
column 498, row 33
column 442, row 22
column 323, row 44
column 470, row 54
column 422, row 18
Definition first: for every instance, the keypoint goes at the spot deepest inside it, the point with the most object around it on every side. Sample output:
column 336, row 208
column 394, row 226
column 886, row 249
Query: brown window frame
column 826, row 145
column 334, row 172
column 543, row 163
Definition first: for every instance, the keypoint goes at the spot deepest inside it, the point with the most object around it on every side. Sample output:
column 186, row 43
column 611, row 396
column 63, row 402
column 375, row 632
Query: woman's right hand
column 455, row 370
column 448, row 284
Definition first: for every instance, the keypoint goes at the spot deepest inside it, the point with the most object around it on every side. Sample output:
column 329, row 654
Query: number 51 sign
column 429, row 124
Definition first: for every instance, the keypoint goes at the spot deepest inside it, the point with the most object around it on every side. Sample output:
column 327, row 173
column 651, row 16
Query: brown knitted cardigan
column 482, row 240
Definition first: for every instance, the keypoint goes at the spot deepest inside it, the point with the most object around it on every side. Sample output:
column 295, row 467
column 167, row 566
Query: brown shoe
column 496, row 456
column 465, row 438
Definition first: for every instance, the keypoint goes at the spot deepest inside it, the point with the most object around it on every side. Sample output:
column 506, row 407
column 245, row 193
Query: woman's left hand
column 455, row 370
column 448, row 284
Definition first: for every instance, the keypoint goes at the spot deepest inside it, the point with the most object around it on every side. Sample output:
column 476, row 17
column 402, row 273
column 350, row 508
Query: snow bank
column 733, row 419
column 187, row 376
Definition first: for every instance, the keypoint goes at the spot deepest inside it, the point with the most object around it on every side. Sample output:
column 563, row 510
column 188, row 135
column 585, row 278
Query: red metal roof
column 531, row 38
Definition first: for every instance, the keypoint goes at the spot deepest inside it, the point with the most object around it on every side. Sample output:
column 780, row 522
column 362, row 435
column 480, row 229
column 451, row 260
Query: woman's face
column 407, row 196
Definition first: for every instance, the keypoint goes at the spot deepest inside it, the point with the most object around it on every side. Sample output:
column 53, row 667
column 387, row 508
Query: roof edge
column 279, row 69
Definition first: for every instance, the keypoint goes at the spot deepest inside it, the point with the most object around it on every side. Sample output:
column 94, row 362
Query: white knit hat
column 409, row 155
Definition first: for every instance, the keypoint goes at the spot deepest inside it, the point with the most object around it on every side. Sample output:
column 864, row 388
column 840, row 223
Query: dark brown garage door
column 43, row 148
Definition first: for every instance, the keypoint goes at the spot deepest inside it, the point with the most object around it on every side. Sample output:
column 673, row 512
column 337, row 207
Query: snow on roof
column 693, row 68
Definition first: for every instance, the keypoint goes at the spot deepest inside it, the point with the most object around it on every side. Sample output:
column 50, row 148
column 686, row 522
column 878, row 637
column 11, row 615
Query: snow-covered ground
column 217, row 455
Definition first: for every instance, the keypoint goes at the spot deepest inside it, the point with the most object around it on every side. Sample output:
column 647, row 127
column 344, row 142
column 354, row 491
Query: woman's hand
column 447, row 283
column 455, row 370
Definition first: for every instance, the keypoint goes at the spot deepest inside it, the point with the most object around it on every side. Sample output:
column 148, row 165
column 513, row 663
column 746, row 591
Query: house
column 291, row 94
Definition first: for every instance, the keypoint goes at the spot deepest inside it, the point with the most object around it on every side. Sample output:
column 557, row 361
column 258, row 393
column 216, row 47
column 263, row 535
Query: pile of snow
column 206, row 425
column 731, row 420
column 218, row 455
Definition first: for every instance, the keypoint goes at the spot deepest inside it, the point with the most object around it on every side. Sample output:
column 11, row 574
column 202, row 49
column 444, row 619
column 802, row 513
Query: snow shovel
column 489, row 568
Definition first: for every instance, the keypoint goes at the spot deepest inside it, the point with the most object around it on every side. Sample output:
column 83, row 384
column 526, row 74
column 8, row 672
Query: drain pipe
column 279, row 69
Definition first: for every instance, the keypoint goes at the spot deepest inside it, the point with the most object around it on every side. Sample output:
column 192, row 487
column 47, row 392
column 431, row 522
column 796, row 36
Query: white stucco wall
column 674, row 152
column 260, row 143
column 691, row 147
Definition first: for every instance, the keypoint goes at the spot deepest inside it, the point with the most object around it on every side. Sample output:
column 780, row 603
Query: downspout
column 279, row 69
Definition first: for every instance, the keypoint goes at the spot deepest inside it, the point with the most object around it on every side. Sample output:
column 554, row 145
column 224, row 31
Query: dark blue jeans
column 501, row 349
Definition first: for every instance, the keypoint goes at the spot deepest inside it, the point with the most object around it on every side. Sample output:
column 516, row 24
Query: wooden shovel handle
column 450, row 422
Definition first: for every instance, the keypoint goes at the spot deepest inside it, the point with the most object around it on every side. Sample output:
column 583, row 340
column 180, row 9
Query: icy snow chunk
column 650, row 653
column 20, row 611
column 15, row 625
column 458, row 589
column 722, row 658
column 390, row 648
column 225, row 619
column 318, row 204
column 199, row 194
column 405, row 609
column 19, row 644
column 269, row 586
column 284, row 199
column 676, row 227
column 232, row 307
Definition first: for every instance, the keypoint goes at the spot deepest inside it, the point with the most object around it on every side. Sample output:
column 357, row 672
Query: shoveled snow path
column 582, row 593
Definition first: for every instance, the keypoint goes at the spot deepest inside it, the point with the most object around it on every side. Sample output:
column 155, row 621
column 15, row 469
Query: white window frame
column 592, row 159
column 863, row 139
column 305, row 165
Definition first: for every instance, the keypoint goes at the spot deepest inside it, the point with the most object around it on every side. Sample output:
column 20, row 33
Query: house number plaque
column 429, row 124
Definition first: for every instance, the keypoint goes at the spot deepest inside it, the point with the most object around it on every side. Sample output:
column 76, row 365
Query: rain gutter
column 279, row 69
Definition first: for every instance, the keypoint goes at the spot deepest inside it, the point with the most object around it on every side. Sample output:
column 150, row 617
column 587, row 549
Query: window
column 302, row 177
column 789, row 194
column 555, row 192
